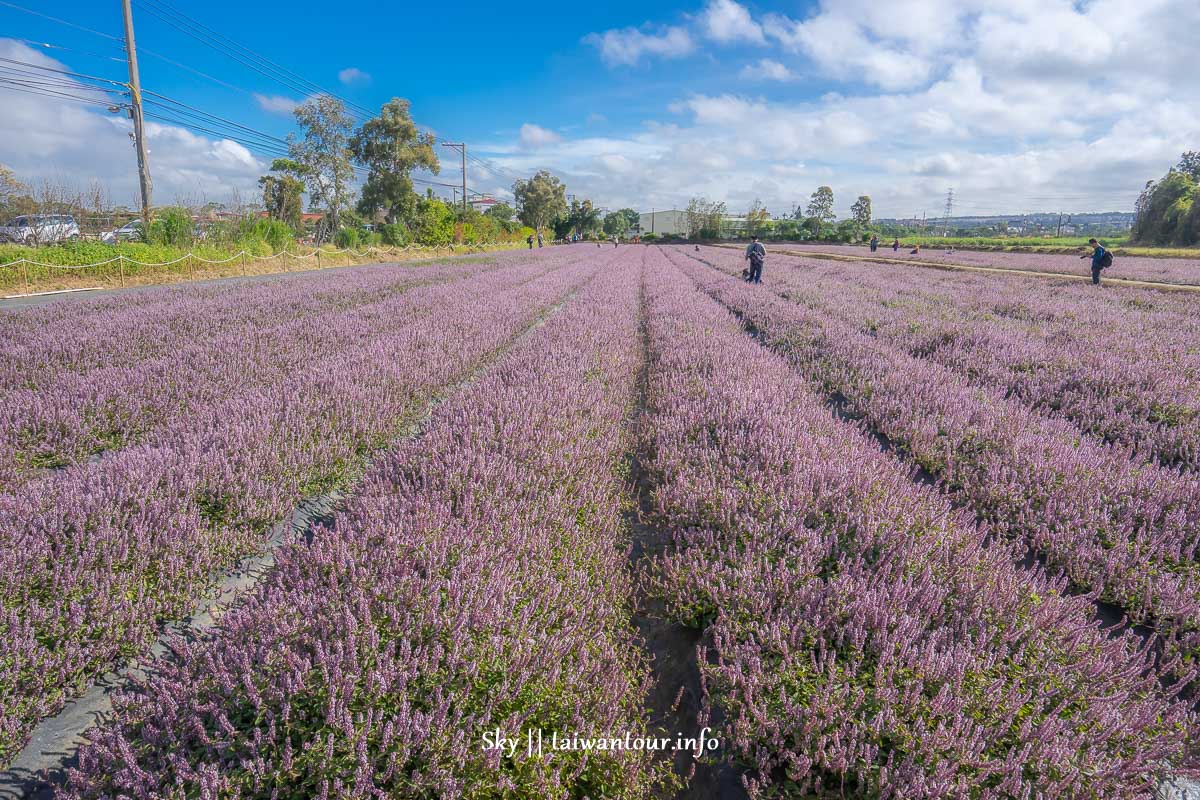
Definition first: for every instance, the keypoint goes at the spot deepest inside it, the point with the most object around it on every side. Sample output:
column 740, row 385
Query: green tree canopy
column 10, row 189
column 433, row 222
column 820, row 205
column 502, row 212
column 391, row 147
column 1168, row 210
column 282, row 192
column 704, row 218
column 542, row 199
column 1189, row 164
column 616, row 224
column 632, row 217
column 583, row 218
column 861, row 210
column 323, row 150
column 758, row 219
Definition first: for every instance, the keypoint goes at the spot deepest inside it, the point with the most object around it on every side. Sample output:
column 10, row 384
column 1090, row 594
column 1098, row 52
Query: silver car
column 34, row 229
column 130, row 231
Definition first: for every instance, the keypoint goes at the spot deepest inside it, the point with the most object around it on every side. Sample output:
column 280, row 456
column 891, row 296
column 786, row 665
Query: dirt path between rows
column 676, row 696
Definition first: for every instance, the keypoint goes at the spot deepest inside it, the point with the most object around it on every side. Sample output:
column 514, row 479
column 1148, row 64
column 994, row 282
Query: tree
column 820, row 205
column 390, row 147
column 583, row 218
column 861, row 210
column 704, row 218
column 758, row 219
column 1189, row 164
column 541, row 199
column 1168, row 211
column 849, row 231
column 616, row 224
column 501, row 212
column 324, row 153
column 632, row 217
column 11, row 189
column 281, row 192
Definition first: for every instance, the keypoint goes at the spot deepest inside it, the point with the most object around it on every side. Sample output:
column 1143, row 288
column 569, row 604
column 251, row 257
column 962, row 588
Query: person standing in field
column 895, row 245
column 529, row 239
column 874, row 243
column 539, row 238
column 756, row 254
column 1101, row 258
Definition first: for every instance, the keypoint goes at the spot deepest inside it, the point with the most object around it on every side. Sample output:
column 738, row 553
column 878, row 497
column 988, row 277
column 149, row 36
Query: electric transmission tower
column 949, row 211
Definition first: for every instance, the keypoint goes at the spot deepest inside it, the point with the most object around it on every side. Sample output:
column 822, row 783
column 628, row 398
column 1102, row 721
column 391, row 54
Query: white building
column 659, row 223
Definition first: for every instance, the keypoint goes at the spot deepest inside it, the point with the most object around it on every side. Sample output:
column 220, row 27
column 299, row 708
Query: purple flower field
column 899, row 509
column 1142, row 268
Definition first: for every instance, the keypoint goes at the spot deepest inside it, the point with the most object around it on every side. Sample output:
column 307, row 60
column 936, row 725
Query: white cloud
column 840, row 47
column 276, row 104
column 72, row 144
column 533, row 136
column 766, row 70
column 1019, row 104
column 727, row 21
column 353, row 76
column 628, row 45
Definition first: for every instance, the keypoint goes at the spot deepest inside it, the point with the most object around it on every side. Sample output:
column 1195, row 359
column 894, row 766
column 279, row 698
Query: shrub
column 276, row 233
column 346, row 238
column 393, row 234
column 171, row 226
column 649, row 237
column 434, row 222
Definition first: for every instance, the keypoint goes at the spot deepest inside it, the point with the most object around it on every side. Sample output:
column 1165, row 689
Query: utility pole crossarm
column 135, row 112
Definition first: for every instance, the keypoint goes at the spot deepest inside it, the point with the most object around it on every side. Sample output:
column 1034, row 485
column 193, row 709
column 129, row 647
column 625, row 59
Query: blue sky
column 1020, row 105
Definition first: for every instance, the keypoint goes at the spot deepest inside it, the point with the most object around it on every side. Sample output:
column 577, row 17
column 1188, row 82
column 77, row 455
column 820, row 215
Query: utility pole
column 135, row 113
column 461, row 147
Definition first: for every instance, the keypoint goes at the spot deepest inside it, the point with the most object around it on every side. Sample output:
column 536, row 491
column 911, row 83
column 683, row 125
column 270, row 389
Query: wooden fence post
column 25, row 272
column 121, row 267
column 243, row 263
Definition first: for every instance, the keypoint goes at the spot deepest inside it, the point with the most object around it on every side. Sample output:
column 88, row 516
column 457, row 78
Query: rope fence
column 190, row 257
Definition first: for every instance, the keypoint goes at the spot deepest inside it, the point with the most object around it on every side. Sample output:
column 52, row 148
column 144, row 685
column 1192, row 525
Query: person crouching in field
column 1101, row 258
column 755, row 254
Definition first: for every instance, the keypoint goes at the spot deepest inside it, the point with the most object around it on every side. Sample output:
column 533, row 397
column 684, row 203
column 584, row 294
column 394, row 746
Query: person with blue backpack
column 1101, row 259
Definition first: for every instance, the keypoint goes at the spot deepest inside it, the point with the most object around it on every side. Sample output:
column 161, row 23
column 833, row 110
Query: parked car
column 130, row 231
column 40, row 229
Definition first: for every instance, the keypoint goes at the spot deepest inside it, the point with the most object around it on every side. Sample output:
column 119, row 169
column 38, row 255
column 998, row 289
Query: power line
column 52, row 84
column 222, row 50
column 192, row 70
column 48, row 46
column 187, row 108
column 61, row 71
column 17, row 87
column 60, row 21
column 195, row 119
column 244, row 55
column 270, row 69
